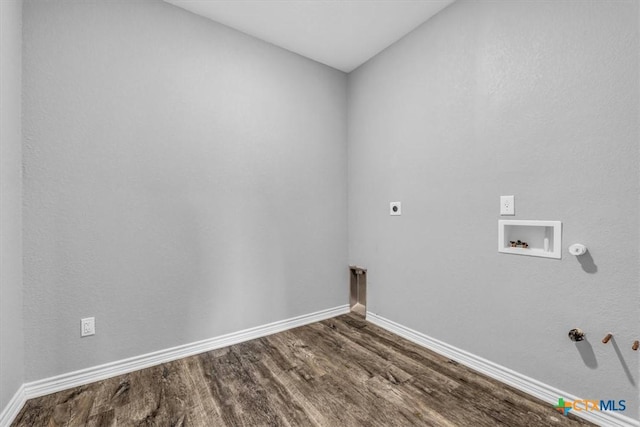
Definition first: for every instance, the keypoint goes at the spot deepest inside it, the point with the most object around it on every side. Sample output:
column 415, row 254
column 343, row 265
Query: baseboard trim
column 113, row 369
column 528, row 385
column 10, row 412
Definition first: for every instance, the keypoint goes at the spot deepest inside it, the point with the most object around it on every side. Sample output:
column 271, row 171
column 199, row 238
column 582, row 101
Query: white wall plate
column 395, row 208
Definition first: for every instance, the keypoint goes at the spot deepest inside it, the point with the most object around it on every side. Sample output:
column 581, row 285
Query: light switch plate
column 507, row 205
column 395, row 208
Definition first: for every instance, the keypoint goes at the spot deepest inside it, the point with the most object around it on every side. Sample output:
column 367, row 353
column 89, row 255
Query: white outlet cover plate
column 507, row 205
column 397, row 211
column 87, row 326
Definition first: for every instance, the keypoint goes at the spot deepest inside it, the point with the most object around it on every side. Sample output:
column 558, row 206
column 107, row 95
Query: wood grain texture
column 338, row 372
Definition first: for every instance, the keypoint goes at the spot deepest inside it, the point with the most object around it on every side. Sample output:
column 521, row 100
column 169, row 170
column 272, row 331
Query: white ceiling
column 340, row 33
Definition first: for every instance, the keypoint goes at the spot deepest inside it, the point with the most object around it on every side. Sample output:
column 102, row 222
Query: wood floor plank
column 494, row 394
column 339, row 372
column 103, row 419
column 406, row 354
column 392, row 378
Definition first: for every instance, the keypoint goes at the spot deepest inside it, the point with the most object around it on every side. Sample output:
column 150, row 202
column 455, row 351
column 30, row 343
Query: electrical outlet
column 395, row 208
column 507, row 205
column 87, row 326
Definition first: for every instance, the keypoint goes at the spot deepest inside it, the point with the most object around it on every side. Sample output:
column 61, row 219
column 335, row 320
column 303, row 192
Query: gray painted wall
column 182, row 181
column 534, row 99
column 11, row 331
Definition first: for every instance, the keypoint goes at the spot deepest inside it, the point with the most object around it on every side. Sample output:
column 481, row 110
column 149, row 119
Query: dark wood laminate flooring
column 338, row 372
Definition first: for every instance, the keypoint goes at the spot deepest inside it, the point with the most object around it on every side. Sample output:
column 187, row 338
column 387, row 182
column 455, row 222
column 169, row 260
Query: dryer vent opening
column 358, row 290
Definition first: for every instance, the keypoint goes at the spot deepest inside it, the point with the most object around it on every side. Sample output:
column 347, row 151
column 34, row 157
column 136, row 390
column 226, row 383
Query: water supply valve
column 576, row 335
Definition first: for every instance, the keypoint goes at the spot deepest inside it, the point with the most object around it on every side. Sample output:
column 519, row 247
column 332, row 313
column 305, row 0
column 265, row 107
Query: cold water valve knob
column 576, row 335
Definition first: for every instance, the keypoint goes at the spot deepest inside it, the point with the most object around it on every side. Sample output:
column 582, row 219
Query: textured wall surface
column 11, row 331
column 182, row 181
column 534, row 99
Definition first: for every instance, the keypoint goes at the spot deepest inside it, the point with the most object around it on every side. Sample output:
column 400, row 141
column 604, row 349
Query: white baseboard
column 528, row 385
column 109, row 370
column 535, row 388
column 12, row 409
